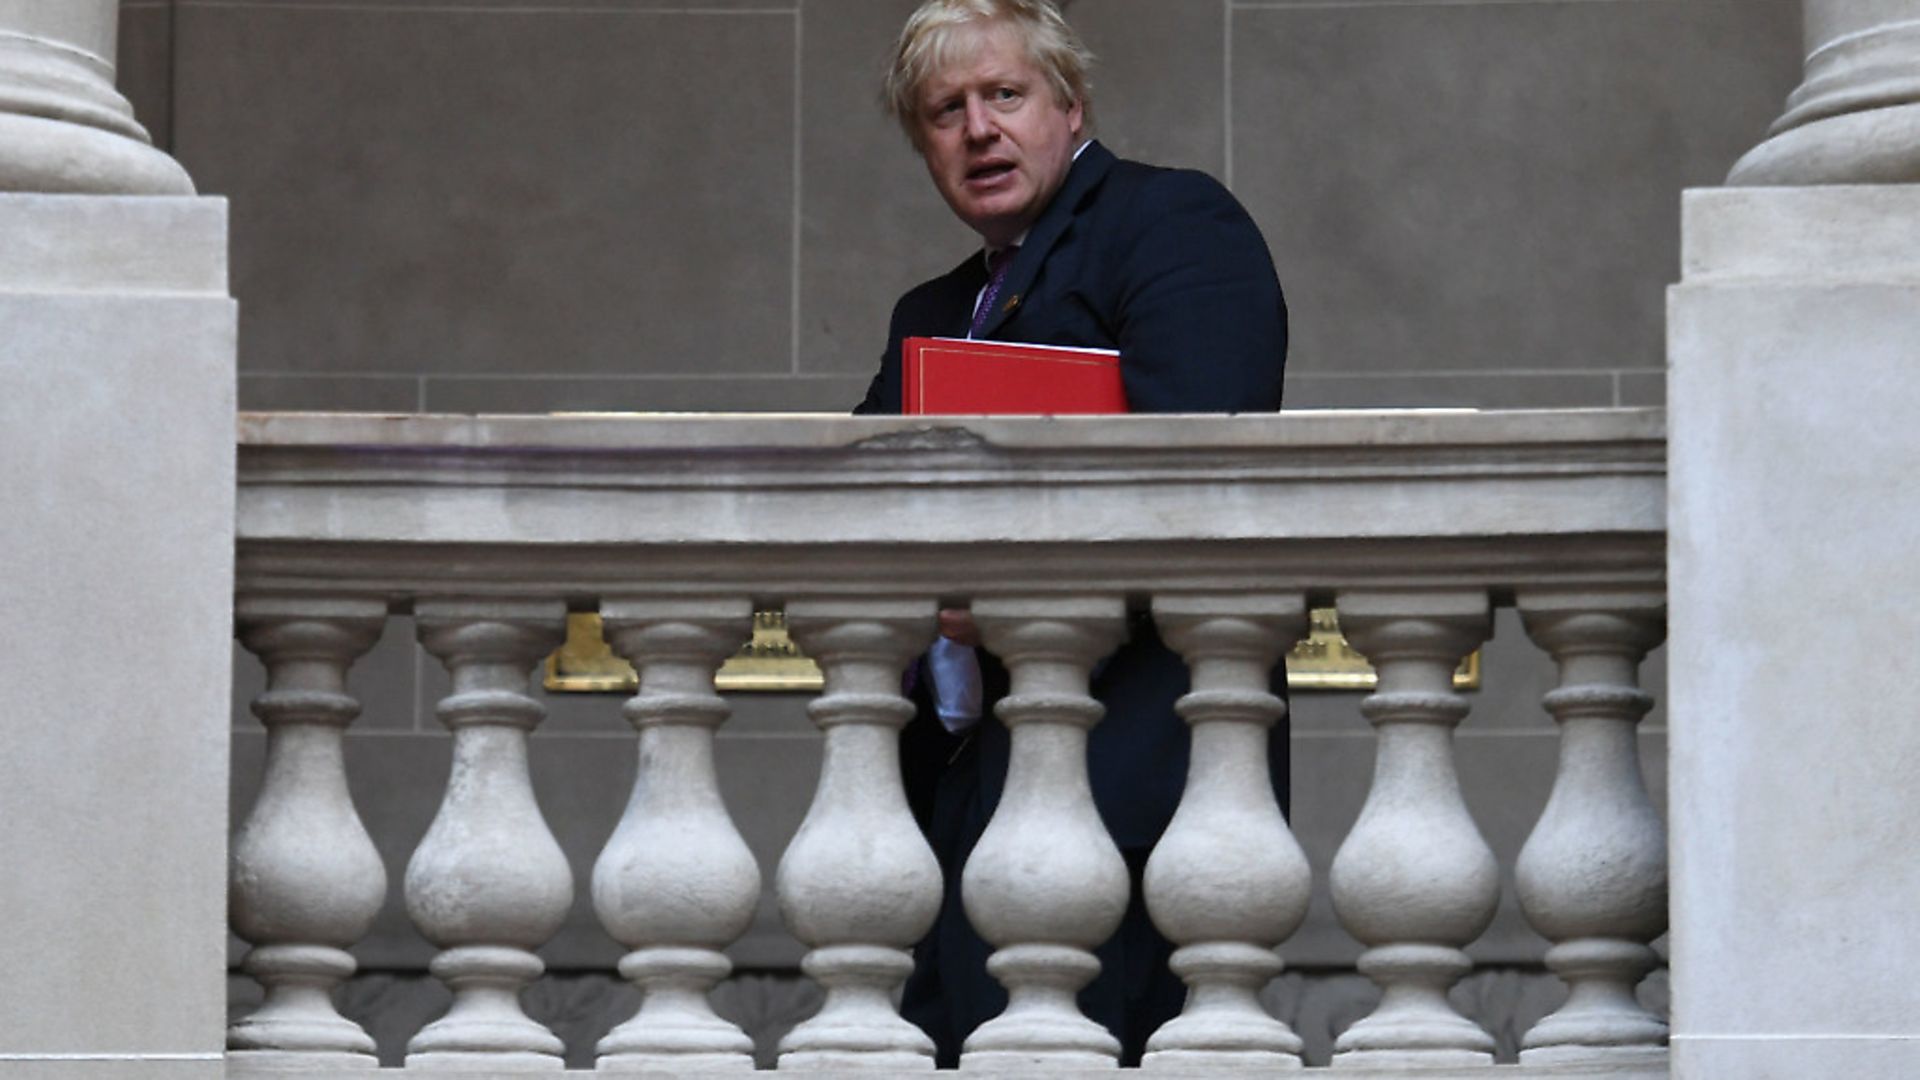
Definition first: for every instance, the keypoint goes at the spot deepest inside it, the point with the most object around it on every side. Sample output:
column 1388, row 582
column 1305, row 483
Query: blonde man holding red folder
column 1080, row 249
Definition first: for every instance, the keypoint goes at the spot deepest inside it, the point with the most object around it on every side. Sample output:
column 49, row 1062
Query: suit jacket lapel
column 1086, row 174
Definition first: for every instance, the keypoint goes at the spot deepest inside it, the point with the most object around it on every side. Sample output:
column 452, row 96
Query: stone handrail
column 675, row 528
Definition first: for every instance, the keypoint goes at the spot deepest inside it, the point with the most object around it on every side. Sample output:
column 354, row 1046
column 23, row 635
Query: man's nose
column 980, row 125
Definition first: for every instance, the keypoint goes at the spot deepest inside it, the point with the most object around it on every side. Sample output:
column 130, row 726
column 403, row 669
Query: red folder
column 954, row 375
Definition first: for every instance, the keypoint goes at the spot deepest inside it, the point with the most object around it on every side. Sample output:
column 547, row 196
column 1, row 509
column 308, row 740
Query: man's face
column 996, row 141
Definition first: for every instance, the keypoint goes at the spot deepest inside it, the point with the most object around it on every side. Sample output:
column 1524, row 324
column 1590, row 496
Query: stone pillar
column 1794, row 350
column 63, row 126
column 1855, row 118
column 116, row 607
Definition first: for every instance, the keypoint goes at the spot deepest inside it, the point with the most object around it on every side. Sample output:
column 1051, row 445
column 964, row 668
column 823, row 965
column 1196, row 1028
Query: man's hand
column 956, row 625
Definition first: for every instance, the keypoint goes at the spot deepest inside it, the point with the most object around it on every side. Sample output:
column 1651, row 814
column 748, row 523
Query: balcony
column 1225, row 531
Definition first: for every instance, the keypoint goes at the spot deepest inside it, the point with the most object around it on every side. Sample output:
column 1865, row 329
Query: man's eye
column 1006, row 93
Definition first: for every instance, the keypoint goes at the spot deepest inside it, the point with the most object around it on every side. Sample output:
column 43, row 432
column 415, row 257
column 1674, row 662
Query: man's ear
column 1076, row 118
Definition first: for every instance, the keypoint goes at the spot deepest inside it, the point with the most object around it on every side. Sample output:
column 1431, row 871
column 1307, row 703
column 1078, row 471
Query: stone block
column 871, row 224
column 116, row 421
column 419, row 188
column 1478, row 186
column 1793, row 451
column 1159, row 80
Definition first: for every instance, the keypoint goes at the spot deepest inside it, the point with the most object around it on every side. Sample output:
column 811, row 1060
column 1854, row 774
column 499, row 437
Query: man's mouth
column 988, row 172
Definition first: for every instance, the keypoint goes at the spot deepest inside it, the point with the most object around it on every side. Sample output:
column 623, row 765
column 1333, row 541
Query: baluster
column 859, row 884
column 1414, row 881
column 1228, row 882
column 676, row 883
column 1592, row 877
column 305, row 879
column 1046, row 884
column 488, row 883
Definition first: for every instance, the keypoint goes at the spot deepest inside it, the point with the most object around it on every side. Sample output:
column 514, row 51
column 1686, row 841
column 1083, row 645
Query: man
column 1081, row 249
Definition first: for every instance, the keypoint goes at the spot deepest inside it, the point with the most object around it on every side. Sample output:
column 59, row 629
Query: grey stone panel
column 1471, row 186
column 836, row 393
column 143, row 70
column 331, row 393
column 871, row 225
column 1505, row 390
column 477, row 190
column 1643, row 388
column 1159, row 79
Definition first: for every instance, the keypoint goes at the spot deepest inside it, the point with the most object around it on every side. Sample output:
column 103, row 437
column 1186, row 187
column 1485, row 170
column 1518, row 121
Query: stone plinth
column 1795, row 383
column 116, row 429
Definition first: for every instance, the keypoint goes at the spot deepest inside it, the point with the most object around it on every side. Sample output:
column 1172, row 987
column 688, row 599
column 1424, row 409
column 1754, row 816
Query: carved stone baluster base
column 1228, row 882
column 1415, row 881
column 1046, row 884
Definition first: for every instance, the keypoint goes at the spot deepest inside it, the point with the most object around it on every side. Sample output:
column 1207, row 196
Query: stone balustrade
column 1224, row 529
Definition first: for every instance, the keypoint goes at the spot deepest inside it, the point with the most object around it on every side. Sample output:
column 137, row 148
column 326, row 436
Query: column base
column 1878, row 146
column 56, row 157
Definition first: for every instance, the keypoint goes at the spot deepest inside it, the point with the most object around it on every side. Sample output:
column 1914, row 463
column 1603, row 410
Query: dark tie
column 997, row 263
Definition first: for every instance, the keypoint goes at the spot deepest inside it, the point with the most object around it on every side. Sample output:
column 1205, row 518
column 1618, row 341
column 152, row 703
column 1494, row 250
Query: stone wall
column 635, row 204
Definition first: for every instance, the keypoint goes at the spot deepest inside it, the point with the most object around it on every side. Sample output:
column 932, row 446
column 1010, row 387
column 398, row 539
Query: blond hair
column 931, row 40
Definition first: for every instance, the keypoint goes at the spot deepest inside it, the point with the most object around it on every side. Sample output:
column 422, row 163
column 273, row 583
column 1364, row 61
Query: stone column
column 1855, row 118
column 1793, row 388
column 63, row 126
